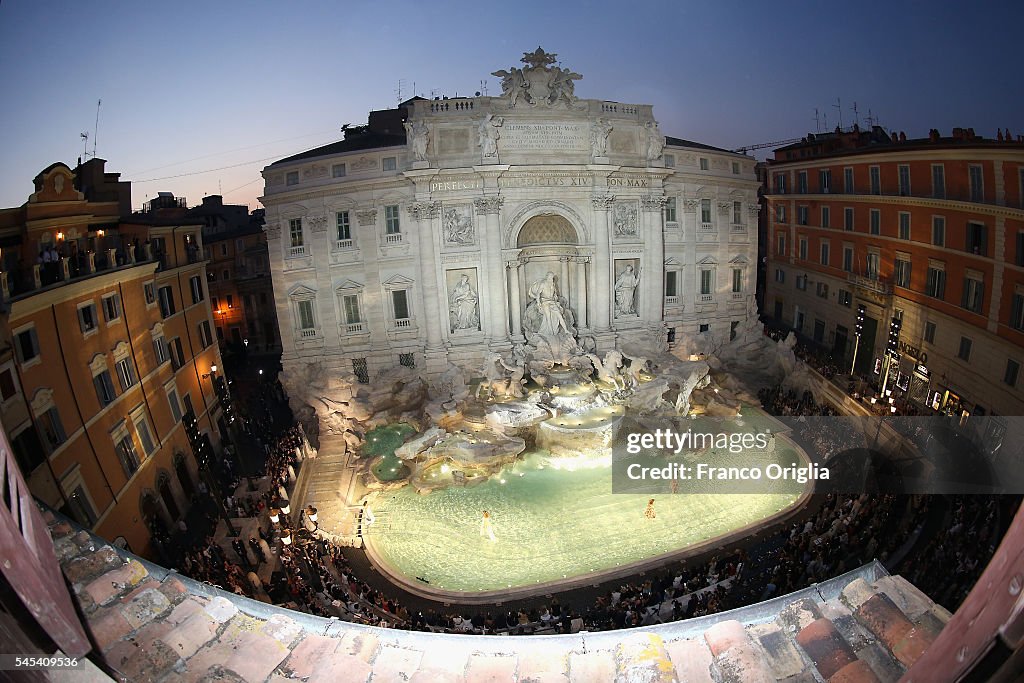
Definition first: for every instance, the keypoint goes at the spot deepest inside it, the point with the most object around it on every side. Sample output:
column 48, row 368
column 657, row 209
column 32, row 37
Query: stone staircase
column 154, row 625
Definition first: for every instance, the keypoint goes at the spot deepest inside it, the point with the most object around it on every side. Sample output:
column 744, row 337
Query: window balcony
column 403, row 323
column 707, row 226
column 738, row 296
column 353, row 328
column 296, row 252
column 344, row 244
column 308, row 333
column 706, row 298
column 393, row 238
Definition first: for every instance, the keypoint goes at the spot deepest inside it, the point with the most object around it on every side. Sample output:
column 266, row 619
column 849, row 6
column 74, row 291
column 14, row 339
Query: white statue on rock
column 599, row 131
column 625, row 292
column 550, row 324
column 419, row 137
column 549, row 314
column 655, row 141
column 489, row 135
column 464, row 306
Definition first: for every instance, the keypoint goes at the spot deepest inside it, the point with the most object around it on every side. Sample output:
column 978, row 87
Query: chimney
column 903, row 136
column 895, row 138
column 958, row 133
column 933, row 135
column 971, row 135
column 999, row 134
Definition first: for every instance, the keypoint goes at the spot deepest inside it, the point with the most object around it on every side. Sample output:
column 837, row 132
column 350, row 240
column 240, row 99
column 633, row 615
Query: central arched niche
column 547, row 229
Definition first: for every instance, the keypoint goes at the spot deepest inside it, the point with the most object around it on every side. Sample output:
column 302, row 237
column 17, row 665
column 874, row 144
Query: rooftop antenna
column 483, row 86
column 825, row 120
column 398, row 91
column 85, row 144
column 96, row 129
column 839, row 105
column 817, row 121
column 856, row 115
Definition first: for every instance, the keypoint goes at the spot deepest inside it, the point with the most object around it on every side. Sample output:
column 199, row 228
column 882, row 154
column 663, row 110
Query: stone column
column 653, row 283
column 602, row 271
column 582, row 315
column 425, row 215
column 516, row 306
column 563, row 277
column 495, row 318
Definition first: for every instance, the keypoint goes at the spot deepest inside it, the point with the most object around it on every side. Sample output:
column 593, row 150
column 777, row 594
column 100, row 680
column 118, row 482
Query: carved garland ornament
column 690, row 205
column 317, row 223
column 367, row 217
column 603, row 202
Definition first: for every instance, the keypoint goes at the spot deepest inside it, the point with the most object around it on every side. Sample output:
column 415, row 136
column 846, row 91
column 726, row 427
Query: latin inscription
column 546, row 181
column 455, row 185
column 542, row 137
column 627, row 182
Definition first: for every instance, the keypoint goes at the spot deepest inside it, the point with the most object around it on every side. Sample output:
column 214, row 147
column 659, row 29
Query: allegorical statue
column 418, row 135
column 655, row 141
column 464, row 305
column 513, row 85
column 489, row 135
column 625, row 292
column 547, row 317
column 599, row 131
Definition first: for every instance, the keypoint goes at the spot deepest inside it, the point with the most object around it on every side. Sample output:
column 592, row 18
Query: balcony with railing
column 705, row 298
column 297, row 251
column 393, row 238
column 341, row 245
column 59, row 270
column 403, row 323
column 707, row 226
column 877, row 285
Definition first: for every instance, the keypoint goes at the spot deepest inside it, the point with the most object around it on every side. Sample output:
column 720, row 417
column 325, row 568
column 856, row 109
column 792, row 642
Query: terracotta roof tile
column 154, row 624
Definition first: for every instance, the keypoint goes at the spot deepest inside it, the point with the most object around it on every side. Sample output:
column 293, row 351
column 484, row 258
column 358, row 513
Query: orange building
column 238, row 275
column 928, row 231
column 109, row 342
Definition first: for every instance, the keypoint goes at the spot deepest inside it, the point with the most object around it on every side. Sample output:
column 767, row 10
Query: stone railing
column 295, row 252
column 344, row 244
column 441, row 106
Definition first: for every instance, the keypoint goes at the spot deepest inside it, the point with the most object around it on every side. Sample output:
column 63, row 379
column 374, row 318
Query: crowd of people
column 312, row 574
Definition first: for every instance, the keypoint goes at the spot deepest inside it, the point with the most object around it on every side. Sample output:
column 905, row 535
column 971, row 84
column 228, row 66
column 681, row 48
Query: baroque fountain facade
column 497, row 289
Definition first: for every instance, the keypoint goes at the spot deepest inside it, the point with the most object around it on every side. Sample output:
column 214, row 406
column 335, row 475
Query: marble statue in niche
column 625, row 220
column 625, row 292
column 546, row 314
column 419, row 138
column 458, row 228
column 655, row 141
column 464, row 306
column 489, row 135
column 599, row 131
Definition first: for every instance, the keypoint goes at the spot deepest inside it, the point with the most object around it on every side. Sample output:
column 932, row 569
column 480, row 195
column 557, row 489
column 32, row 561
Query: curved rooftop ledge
column 151, row 623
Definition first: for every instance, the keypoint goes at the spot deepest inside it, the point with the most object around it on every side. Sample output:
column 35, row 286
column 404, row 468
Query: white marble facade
column 425, row 254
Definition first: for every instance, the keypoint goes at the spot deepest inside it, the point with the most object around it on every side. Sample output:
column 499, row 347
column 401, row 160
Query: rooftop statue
column 540, row 83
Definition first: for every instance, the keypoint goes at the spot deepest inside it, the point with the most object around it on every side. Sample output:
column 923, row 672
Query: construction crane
column 762, row 145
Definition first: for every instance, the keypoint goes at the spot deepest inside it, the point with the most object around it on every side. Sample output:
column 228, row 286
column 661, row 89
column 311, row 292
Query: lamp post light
column 858, row 330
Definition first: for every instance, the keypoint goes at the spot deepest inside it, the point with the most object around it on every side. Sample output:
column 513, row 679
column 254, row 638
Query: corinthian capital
column 603, row 202
column 653, row 203
column 486, row 205
column 425, row 210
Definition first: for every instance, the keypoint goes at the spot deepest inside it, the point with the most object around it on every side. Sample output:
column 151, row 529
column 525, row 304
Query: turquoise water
column 550, row 524
column 383, row 441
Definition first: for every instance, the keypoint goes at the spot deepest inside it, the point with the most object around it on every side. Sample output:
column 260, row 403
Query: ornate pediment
column 540, row 83
column 739, row 260
column 708, row 261
column 349, row 285
column 398, row 281
column 302, row 292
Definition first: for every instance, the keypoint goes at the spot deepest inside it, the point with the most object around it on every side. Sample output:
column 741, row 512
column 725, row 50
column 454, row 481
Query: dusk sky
column 188, row 87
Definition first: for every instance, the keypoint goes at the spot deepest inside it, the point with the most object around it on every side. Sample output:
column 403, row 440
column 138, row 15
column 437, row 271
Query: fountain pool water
column 557, row 524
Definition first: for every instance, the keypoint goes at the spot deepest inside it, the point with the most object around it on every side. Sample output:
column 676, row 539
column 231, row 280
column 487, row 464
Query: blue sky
column 188, row 87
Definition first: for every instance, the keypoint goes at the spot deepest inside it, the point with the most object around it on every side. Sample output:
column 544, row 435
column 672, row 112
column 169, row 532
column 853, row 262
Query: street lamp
column 858, row 330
